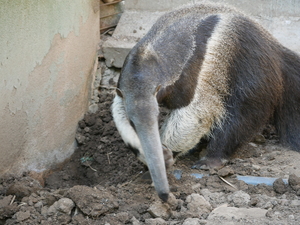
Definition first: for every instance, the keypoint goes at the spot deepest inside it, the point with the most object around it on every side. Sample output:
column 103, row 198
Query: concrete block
column 131, row 28
column 116, row 50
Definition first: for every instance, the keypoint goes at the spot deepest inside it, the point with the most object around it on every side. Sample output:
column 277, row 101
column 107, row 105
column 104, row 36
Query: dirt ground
column 103, row 183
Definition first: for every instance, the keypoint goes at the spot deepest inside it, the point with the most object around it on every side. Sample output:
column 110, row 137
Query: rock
column 5, row 201
column 81, row 124
column 24, row 187
column 215, row 198
column 92, row 201
column 229, row 213
column 174, row 222
column 134, row 221
column 50, row 199
column 89, row 119
column 80, row 138
column 262, row 201
column 38, row 204
column 191, row 221
column 197, row 205
column 291, row 217
column 44, row 211
column 87, row 130
column 64, row 219
column 123, row 217
column 196, row 186
column 93, row 108
column 7, row 210
column 173, row 202
column 79, row 219
column 294, row 182
column 115, row 218
column 225, row 171
column 52, row 210
column 256, row 167
column 239, row 199
column 156, row 221
column 295, row 203
column 65, row 205
column 279, row 186
column 21, row 216
column 160, row 210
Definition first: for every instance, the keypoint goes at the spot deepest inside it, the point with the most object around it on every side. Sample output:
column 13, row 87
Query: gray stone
column 123, row 217
column 294, row 182
column 79, row 138
column 39, row 204
column 93, row 108
column 134, row 221
column 160, row 210
column 197, row 205
column 262, row 201
column 173, row 202
column 21, row 216
column 239, row 198
column 92, row 201
column 213, row 198
column 156, row 221
column 196, row 186
column 64, row 219
column 5, row 201
column 65, row 205
column 44, row 211
column 279, row 186
column 295, row 203
column 256, row 167
column 52, row 210
column 229, row 213
column 191, row 221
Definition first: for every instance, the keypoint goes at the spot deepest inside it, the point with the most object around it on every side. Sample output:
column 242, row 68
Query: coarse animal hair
column 221, row 74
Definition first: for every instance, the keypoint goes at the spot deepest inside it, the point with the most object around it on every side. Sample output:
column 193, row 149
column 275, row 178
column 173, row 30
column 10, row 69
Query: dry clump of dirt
column 104, row 183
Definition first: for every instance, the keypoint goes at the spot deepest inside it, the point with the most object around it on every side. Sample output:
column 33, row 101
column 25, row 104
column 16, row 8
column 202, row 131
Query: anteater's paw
column 168, row 156
column 209, row 163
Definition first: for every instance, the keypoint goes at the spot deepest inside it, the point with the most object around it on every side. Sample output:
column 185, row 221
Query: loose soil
column 104, row 183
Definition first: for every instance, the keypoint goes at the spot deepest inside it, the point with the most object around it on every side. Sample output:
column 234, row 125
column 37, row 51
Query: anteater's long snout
column 151, row 144
column 143, row 135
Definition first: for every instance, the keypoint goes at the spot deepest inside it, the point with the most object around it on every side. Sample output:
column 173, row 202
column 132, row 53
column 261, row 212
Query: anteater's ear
column 157, row 89
column 119, row 93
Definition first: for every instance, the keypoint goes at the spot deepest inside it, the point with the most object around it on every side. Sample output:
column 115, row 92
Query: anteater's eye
column 132, row 124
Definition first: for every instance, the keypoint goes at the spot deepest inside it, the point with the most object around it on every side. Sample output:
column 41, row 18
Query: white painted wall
column 47, row 56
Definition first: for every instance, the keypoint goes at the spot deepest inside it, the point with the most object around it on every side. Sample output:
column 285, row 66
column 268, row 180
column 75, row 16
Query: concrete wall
column 47, row 57
column 280, row 17
column 269, row 8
